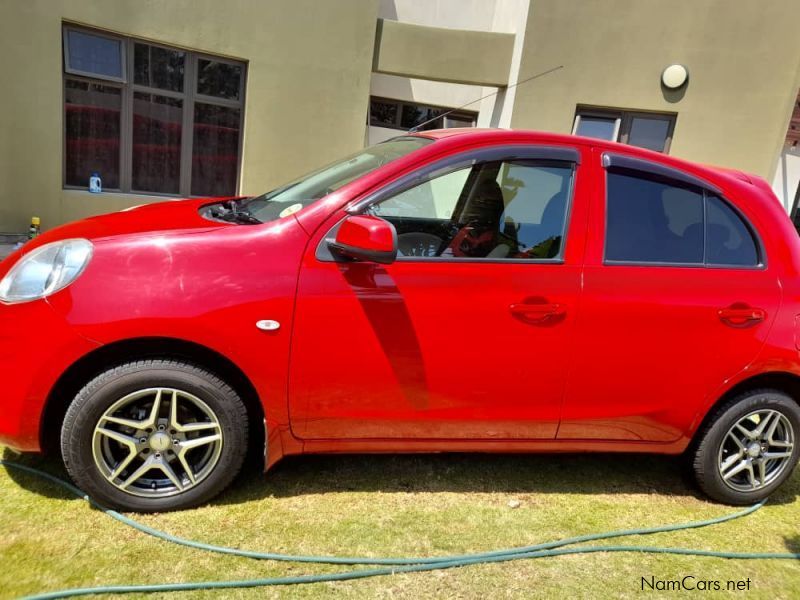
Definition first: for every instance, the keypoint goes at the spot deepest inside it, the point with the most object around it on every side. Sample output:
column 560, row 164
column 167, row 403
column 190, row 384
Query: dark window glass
column 156, row 143
column 597, row 127
column 94, row 54
column 91, row 132
column 728, row 239
column 492, row 210
column 158, row 67
column 648, row 132
column 383, row 113
column 414, row 116
column 215, row 150
column 218, row 79
column 650, row 220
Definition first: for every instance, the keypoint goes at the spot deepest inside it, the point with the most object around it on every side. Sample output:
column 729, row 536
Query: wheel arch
column 105, row 357
column 782, row 381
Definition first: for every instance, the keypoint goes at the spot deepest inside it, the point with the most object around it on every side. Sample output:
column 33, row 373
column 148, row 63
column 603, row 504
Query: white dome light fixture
column 674, row 76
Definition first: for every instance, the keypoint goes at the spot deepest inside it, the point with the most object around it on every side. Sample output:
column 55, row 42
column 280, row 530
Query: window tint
column 652, row 220
column 649, row 220
column 513, row 210
column 728, row 239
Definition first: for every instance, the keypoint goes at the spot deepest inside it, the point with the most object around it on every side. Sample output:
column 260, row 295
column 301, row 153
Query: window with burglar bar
column 148, row 118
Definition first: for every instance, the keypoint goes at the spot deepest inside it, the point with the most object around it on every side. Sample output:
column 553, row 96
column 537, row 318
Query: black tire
column 706, row 456
column 99, row 395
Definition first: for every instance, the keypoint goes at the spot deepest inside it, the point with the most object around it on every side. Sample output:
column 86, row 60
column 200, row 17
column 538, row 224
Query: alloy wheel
column 756, row 450
column 157, row 442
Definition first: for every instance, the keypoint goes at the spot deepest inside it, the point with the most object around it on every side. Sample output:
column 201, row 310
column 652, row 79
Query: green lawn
column 405, row 506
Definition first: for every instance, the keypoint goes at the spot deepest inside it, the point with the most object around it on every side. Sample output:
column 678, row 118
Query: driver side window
column 496, row 210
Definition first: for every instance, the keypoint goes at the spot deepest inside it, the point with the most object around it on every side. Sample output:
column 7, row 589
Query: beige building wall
column 309, row 64
column 743, row 59
column 503, row 16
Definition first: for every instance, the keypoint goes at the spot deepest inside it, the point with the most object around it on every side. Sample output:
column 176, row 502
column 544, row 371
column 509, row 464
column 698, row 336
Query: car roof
column 466, row 135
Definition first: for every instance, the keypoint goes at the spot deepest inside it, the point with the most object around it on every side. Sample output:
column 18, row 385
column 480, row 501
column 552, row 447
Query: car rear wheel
column 154, row 435
column 749, row 447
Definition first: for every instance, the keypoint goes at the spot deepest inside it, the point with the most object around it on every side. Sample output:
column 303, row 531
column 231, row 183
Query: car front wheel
column 749, row 447
column 154, row 435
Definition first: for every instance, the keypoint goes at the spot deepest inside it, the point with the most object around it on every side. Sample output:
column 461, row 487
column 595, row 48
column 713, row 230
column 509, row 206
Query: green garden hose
column 389, row 566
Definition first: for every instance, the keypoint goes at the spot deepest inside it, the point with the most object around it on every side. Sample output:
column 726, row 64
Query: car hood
column 173, row 215
column 162, row 217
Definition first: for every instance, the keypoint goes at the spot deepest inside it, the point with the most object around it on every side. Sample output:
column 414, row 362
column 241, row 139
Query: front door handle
column 537, row 313
column 741, row 315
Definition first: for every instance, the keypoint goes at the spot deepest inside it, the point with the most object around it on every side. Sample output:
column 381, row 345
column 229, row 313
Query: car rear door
column 468, row 334
column 678, row 297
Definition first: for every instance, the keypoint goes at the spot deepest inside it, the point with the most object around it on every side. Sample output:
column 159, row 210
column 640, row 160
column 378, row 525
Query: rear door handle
column 537, row 313
column 741, row 315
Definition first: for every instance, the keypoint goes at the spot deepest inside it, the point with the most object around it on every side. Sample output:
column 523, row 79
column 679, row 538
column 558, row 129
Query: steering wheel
column 418, row 244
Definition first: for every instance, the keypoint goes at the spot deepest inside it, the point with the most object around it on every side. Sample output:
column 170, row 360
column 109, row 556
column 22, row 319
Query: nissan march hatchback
column 459, row 290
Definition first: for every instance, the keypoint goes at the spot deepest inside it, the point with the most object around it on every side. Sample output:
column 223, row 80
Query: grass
column 405, row 506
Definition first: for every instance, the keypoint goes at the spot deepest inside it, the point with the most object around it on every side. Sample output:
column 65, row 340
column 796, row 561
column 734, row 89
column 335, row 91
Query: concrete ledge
column 452, row 55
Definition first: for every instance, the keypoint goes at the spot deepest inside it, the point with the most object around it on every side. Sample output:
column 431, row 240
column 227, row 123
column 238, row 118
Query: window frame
column 400, row 104
column 561, row 154
column 624, row 122
column 641, row 168
column 128, row 87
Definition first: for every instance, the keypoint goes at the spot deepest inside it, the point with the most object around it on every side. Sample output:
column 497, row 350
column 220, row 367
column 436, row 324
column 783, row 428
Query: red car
column 459, row 290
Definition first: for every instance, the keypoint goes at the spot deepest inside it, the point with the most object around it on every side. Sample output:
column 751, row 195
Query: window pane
column 156, row 143
column 215, row 152
column 218, row 79
column 94, row 54
column 728, row 239
column 459, row 121
column 650, row 220
column 649, row 133
column 424, row 215
column 158, row 67
column 414, row 115
column 492, row 210
column 92, row 129
column 434, row 199
column 383, row 114
column 597, row 127
column 536, row 199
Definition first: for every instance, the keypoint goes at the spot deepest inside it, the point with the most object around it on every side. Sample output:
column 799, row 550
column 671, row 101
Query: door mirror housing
column 367, row 238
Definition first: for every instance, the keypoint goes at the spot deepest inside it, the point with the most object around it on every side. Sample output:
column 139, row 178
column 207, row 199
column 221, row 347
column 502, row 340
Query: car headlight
column 45, row 270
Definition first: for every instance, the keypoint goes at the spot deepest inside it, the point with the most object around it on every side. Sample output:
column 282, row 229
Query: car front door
column 467, row 334
column 678, row 298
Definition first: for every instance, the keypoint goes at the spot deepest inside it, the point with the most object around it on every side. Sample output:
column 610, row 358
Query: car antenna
column 452, row 110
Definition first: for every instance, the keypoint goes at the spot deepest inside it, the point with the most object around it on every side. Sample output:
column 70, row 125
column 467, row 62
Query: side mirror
column 367, row 238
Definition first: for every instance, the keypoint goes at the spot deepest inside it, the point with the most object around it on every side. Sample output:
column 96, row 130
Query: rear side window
column 650, row 219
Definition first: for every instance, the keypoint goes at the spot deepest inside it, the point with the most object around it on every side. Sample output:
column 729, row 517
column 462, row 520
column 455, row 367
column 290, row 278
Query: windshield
column 293, row 196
